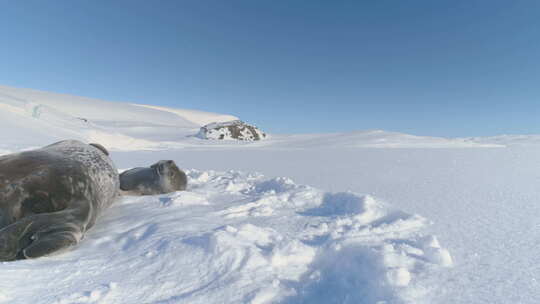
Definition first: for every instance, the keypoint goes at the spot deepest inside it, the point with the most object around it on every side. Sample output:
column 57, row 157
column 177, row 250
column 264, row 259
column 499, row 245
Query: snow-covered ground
column 359, row 217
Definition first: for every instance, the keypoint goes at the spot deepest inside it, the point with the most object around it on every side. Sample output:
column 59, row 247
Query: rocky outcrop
column 231, row 130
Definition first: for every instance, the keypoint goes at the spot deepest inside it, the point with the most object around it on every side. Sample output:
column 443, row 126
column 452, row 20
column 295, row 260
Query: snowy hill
column 45, row 117
column 331, row 231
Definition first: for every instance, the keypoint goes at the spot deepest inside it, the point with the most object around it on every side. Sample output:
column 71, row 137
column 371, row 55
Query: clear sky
column 446, row 68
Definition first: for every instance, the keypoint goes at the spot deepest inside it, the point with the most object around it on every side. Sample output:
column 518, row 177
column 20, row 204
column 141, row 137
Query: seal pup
column 162, row 177
column 51, row 196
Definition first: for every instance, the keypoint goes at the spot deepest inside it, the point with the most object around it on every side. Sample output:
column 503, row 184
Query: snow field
column 238, row 238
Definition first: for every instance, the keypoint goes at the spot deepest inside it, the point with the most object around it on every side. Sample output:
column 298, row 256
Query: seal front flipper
column 11, row 239
column 50, row 243
column 39, row 235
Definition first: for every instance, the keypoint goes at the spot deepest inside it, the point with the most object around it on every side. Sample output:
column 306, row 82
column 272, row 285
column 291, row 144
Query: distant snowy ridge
column 243, row 238
column 378, row 139
column 507, row 140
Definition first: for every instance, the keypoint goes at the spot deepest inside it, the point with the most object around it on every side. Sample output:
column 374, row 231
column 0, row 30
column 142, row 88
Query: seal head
column 161, row 177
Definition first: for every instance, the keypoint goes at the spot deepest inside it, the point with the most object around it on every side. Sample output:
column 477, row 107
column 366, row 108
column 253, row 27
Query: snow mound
column 240, row 237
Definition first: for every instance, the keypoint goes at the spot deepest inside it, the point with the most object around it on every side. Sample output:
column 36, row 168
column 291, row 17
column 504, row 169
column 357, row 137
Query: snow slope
column 48, row 116
column 379, row 223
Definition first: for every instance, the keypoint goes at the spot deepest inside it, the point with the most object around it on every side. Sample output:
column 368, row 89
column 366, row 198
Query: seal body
column 51, row 196
column 162, row 177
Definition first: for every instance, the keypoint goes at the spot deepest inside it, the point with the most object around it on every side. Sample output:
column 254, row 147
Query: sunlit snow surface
column 469, row 232
column 238, row 238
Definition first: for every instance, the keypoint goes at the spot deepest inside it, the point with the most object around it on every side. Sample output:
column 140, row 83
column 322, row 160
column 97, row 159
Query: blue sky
column 445, row 68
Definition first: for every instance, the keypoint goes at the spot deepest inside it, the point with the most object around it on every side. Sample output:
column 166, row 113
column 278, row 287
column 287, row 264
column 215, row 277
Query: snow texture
column 243, row 237
column 240, row 237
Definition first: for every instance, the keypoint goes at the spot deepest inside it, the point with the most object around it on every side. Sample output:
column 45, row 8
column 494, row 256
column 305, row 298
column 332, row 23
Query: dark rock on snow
column 235, row 129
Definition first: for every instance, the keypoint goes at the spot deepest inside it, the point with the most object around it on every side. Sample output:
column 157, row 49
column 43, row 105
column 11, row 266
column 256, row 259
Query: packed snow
column 358, row 217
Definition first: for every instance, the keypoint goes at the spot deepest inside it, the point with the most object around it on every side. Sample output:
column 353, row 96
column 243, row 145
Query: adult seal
column 51, row 196
column 162, row 177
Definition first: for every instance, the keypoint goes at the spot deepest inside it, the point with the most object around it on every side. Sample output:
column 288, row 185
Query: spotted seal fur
column 51, row 196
